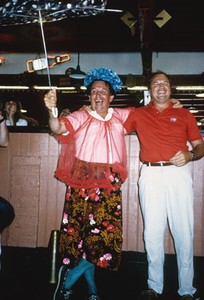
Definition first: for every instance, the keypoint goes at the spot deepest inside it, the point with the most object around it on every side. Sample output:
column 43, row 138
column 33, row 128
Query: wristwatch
column 193, row 155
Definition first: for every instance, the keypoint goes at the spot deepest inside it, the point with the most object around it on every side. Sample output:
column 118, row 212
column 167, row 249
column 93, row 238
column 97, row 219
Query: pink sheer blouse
column 94, row 149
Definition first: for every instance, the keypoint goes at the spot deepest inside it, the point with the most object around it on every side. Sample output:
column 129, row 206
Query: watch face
column 193, row 155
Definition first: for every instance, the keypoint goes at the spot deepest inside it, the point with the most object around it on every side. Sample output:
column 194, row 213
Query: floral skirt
column 92, row 226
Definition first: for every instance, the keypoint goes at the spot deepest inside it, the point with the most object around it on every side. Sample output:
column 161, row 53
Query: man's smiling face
column 100, row 97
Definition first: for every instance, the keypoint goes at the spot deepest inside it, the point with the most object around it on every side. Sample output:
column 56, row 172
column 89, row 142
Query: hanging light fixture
column 201, row 95
column 193, row 110
column 76, row 73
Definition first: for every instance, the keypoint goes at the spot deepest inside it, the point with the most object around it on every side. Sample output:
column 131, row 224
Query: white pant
column 166, row 193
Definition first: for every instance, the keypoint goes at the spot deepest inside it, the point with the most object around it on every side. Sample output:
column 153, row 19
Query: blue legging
column 86, row 268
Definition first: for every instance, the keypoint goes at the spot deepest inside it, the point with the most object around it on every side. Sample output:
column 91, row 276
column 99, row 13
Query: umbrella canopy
column 18, row 12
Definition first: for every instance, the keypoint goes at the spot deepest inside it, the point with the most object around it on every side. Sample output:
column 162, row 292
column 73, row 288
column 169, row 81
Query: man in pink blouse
column 92, row 164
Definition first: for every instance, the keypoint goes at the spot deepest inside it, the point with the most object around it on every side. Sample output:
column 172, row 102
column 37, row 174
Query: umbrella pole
column 45, row 49
column 54, row 109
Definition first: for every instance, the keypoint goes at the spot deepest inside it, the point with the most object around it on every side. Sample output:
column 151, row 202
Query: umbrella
column 19, row 12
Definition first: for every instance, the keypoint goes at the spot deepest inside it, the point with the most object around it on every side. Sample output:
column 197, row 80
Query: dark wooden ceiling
column 106, row 32
column 184, row 32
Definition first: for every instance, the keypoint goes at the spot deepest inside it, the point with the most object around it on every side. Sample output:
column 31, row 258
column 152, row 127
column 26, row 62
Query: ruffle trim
column 105, row 183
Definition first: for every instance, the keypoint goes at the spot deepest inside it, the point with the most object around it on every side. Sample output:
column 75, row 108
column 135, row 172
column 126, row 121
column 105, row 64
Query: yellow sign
column 162, row 18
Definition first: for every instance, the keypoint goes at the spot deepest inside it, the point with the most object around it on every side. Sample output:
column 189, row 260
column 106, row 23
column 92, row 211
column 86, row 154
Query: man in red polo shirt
column 165, row 183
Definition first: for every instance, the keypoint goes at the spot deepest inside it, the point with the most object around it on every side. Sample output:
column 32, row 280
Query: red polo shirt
column 162, row 134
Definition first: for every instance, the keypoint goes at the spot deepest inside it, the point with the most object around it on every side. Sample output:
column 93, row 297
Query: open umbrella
column 19, row 12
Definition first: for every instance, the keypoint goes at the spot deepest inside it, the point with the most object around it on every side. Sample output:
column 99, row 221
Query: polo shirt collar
column 151, row 105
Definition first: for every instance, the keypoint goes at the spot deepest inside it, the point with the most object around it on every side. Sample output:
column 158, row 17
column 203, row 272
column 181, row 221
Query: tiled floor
column 26, row 274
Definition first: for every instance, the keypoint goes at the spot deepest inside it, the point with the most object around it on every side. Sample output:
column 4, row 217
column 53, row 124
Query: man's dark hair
column 106, row 82
column 157, row 73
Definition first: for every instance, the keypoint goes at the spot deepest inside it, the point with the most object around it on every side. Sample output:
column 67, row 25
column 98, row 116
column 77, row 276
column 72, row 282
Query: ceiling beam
column 145, row 17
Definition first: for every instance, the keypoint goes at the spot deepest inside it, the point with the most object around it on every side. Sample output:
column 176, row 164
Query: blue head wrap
column 103, row 74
